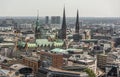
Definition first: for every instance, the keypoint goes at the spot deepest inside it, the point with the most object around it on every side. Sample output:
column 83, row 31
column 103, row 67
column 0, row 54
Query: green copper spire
column 37, row 28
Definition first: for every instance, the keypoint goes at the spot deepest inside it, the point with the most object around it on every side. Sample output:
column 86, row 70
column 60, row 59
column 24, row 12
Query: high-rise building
column 47, row 20
column 55, row 20
column 101, row 61
column 64, row 26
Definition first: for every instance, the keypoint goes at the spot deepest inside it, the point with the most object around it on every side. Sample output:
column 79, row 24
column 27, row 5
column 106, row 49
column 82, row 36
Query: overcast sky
column 87, row 8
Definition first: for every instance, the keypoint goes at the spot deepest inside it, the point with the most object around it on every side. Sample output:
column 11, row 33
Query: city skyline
column 91, row 8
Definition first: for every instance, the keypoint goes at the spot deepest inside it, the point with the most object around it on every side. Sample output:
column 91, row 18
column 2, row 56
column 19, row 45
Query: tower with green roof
column 38, row 29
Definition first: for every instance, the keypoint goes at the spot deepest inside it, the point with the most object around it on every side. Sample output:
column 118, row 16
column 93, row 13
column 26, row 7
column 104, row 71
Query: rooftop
column 60, row 70
column 32, row 58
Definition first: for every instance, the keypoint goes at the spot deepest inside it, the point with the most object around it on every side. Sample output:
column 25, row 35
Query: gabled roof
column 43, row 42
column 58, row 44
column 30, row 45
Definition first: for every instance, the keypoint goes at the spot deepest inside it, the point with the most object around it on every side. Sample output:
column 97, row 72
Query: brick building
column 55, row 60
column 32, row 62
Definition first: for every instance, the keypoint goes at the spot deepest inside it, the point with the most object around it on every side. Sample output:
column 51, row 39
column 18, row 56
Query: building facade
column 55, row 60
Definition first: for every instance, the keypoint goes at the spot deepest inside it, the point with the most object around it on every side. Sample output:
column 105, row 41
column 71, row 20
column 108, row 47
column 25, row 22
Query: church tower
column 76, row 36
column 77, row 23
column 37, row 28
column 64, row 26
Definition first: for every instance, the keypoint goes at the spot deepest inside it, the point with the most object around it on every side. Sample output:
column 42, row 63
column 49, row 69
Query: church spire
column 37, row 22
column 77, row 23
column 64, row 18
column 63, row 30
column 37, row 32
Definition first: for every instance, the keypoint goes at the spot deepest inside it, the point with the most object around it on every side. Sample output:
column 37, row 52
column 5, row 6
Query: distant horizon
column 61, row 16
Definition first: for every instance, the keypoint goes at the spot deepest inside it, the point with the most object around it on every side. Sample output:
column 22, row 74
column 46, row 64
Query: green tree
column 90, row 72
